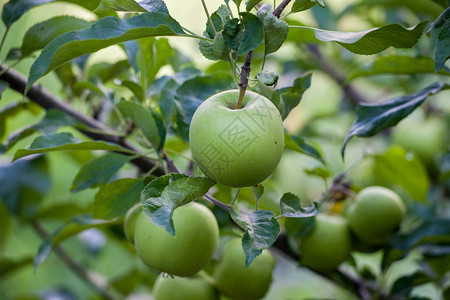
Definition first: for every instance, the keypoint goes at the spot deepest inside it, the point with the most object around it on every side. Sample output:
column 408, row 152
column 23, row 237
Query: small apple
column 237, row 147
column 376, row 214
column 327, row 245
column 184, row 288
column 236, row 281
column 186, row 253
column 129, row 223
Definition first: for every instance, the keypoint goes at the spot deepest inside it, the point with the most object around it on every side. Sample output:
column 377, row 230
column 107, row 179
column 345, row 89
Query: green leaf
column 250, row 4
column 290, row 207
column 395, row 64
column 373, row 118
column 285, row 99
column 98, row 171
column 12, row 110
column 61, row 211
column 215, row 50
column 14, row 9
column 319, row 172
column 268, row 78
column 193, row 92
column 374, row 40
column 258, row 191
column 163, row 195
column 301, row 5
column 39, row 35
column 103, row 33
column 132, row 6
column 275, row 30
column 219, row 18
column 8, row 266
column 5, row 225
column 143, row 119
column 71, row 228
column 299, row 144
column 403, row 286
column 245, row 36
column 3, row 86
column 417, row 6
column 442, row 49
column 65, row 141
column 116, row 198
column 261, row 231
column 23, row 185
column 397, row 168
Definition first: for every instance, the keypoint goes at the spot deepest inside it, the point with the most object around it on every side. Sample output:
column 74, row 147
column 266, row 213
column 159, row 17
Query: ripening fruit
column 186, row 253
column 184, row 288
column 236, row 281
column 129, row 223
column 327, row 245
column 376, row 214
column 237, row 147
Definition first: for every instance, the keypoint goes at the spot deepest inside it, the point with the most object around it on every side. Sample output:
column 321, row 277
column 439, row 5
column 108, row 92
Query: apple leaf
column 163, row 195
column 299, row 144
column 132, row 6
column 301, row 5
column 285, row 99
column 258, row 191
column 65, row 141
column 261, row 231
column 250, row 4
column 61, row 211
column 13, row 110
column 403, row 286
column 72, row 227
column 245, row 36
column 3, row 86
column 442, row 48
column 193, row 92
column 290, row 207
column 275, row 30
column 371, row 41
column 8, row 265
column 268, row 78
column 14, row 9
column 116, row 198
column 143, row 119
column 396, row 168
column 215, row 50
column 373, row 118
column 395, row 64
column 39, row 35
column 98, row 171
column 103, row 33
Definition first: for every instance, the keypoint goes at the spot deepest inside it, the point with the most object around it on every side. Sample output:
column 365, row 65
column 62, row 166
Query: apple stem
column 243, row 80
column 235, row 197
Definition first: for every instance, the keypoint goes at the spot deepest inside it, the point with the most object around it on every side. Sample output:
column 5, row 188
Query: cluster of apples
column 189, row 251
column 369, row 223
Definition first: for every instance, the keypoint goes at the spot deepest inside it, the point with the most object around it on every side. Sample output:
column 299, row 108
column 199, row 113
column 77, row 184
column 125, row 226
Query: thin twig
column 96, row 281
column 48, row 101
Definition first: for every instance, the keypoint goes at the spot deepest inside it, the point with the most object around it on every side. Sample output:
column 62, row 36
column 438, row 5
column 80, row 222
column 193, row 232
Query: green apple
column 426, row 137
column 236, row 281
column 327, row 245
column 376, row 214
column 184, row 288
column 186, row 253
column 129, row 223
column 237, row 147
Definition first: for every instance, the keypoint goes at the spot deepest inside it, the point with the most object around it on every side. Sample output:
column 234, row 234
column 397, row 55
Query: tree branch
column 48, row 101
column 94, row 280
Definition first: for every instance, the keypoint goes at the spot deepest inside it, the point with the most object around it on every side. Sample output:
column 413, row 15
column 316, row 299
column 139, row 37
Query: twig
column 94, row 280
column 48, row 101
column 277, row 12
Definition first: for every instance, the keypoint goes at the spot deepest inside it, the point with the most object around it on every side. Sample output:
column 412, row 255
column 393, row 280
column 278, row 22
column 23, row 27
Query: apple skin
column 327, row 245
column 184, row 288
column 235, row 281
column 376, row 214
column 129, row 223
column 237, row 147
column 186, row 253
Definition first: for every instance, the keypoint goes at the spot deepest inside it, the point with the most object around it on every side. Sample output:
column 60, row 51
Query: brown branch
column 350, row 91
column 277, row 12
column 96, row 281
column 48, row 101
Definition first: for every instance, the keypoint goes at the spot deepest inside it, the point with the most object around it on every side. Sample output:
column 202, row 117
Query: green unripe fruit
column 236, row 281
column 129, row 223
column 184, row 288
column 186, row 253
column 237, row 147
column 327, row 245
column 376, row 214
